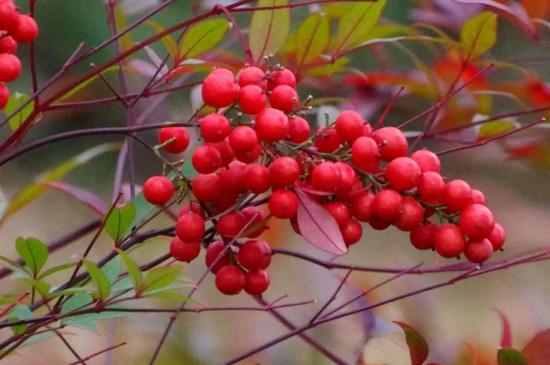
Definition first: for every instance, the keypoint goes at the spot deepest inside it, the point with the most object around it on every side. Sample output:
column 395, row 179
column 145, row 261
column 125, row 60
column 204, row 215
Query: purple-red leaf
column 506, row 339
column 537, row 351
column 86, row 197
column 418, row 347
column 318, row 226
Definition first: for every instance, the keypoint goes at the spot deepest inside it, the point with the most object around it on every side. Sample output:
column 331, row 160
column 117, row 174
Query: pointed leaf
column 86, row 197
column 312, row 37
column 418, row 347
column 202, row 37
column 87, row 321
column 33, row 252
column 125, row 41
column 99, row 279
column 111, row 269
column 168, row 41
column 354, row 26
column 328, row 70
column 15, row 100
column 506, row 338
column 537, row 351
column 133, row 270
column 119, row 220
column 479, row 33
column 18, row 313
column 83, row 84
column 511, row 357
column 55, row 269
column 268, row 29
column 318, row 226
column 160, row 277
column 42, row 287
column 18, row 270
column 495, row 128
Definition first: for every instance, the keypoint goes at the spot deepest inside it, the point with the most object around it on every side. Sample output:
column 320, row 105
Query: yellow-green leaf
column 85, row 83
column 495, row 128
column 328, row 70
column 15, row 100
column 354, row 26
column 268, row 29
column 337, row 9
column 133, row 270
column 168, row 40
column 479, row 34
column 33, row 252
column 124, row 41
column 118, row 221
column 101, row 282
column 31, row 192
column 312, row 37
column 202, row 37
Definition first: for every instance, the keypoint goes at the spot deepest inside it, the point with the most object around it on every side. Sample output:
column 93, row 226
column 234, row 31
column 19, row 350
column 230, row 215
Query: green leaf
column 510, row 357
column 119, row 220
column 312, row 37
column 418, row 347
column 15, row 100
column 354, row 26
column 85, row 83
column 33, row 252
column 479, row 34
column 269, row 29
column 168, row 40
column 55, row 269
column 31, row 192
column 133, row 270
column 76, row 302
column 18, row 270
column 495, row 128
column 337, row 9
column 99, row 279
column 42, row 287
column 111, row 269
column 160, row 277
column 18, row 313
column 328, row 70
column 123, row 284
column 202, row 37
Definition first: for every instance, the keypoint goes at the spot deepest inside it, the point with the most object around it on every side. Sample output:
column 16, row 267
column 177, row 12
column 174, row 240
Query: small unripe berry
column 158, row 190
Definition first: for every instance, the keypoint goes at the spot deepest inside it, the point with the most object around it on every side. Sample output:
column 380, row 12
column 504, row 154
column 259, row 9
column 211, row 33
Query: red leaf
column 537, row 351
column 86, row 197
column 418, row 347
column 318, row 226
column 506, row 339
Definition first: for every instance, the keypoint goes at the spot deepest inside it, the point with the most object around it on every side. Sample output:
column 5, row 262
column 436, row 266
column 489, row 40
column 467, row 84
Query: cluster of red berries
column 14, row 28
column 357, row 174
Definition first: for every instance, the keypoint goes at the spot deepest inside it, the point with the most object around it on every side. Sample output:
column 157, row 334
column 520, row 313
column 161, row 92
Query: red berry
column 364, row 154
column 356, row 189
column 258, row 179
column 190, row 227
column 271, row 125
column 215, row 127
column 225, row 151
column 422, row 237
column 256, row 282
column 252, row 76
column 158, row 190
column 285, row 98
column 184, row 251
column 349, row 125
column 219, row 90
column 253, row 216
column 25, row 30
column 378, row 223
column 215, row 257
column 449, row 240
column 476, row 221
column 249, row 156
column 230, row 280
column 4, row 95
column 192, row 207
column 10, row 67
column 387, row 204
column 403, row 173
column 180, row 138
column 478, row 251
column 233, row 177
column 478, row 197
column 367, row 130
column 458, row 195
column 298, row 130
column 207, row 187
column 7, row 43
column 281, row 77
column 327, row 140
column 410, row 215
column 254, row 255
column 283, row 204
column 362, row 206
column 348, row 177
column 352, row 232
column 243, row 139
column 497, row 237
column 206, row 159
column 391, row 142
column 431, row 188
column 230, row 225
column 326, row 176
column 427, row 160
column 284, row 171
column 340, row 212
column 252, row 99
column 222, row 72
column 8, row 15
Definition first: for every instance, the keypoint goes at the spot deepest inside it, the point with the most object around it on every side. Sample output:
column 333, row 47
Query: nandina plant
column 290, row 132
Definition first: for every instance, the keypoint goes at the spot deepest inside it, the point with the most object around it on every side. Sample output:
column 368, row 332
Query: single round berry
column 216, row 256
column 458, row 195
column 243, row 139
column 362, row 206
column 207, row 187
column 339, row 211
column 478, row 251
column 192, row 207
column 184, row 251
column 233, row 177
column 252, row 99
column 326, row 176
column 348, row 177
column 230, row 225
column 476, row 221
column 298, row 130
column 387, row 204
column 422, row 237
column 8, row 15
column 478, row 197
column 254, row 255
column 158, row 190
column 178, row 136
column 219, row 90
column 225, row 151
column 10, row 67
column 256, row 282
column 254, row 218
column 349, row 125
column 497, row 237
column 281, row 77
column 352, row 232
column 367, row 130
column 222, row 72
column 224, row 201
column 378, row 223
column 230, row 280
column 190, row 227
column 449, row 240
column 249, row 156
column 25, row 30
column 4, row 95
column 348, row 196
column 285, row 98
column 431, row 188
column 327, row 140
column 410, row 215
column 283, row 203
column 364, row 153
column 427, row 160
column 403, row 173
column 391, row 142
column 284, row 171
column 258, row 178
column 271, row 125
column 214, row 127
column 206, row 159
column 252, row 76
column 7, row 43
